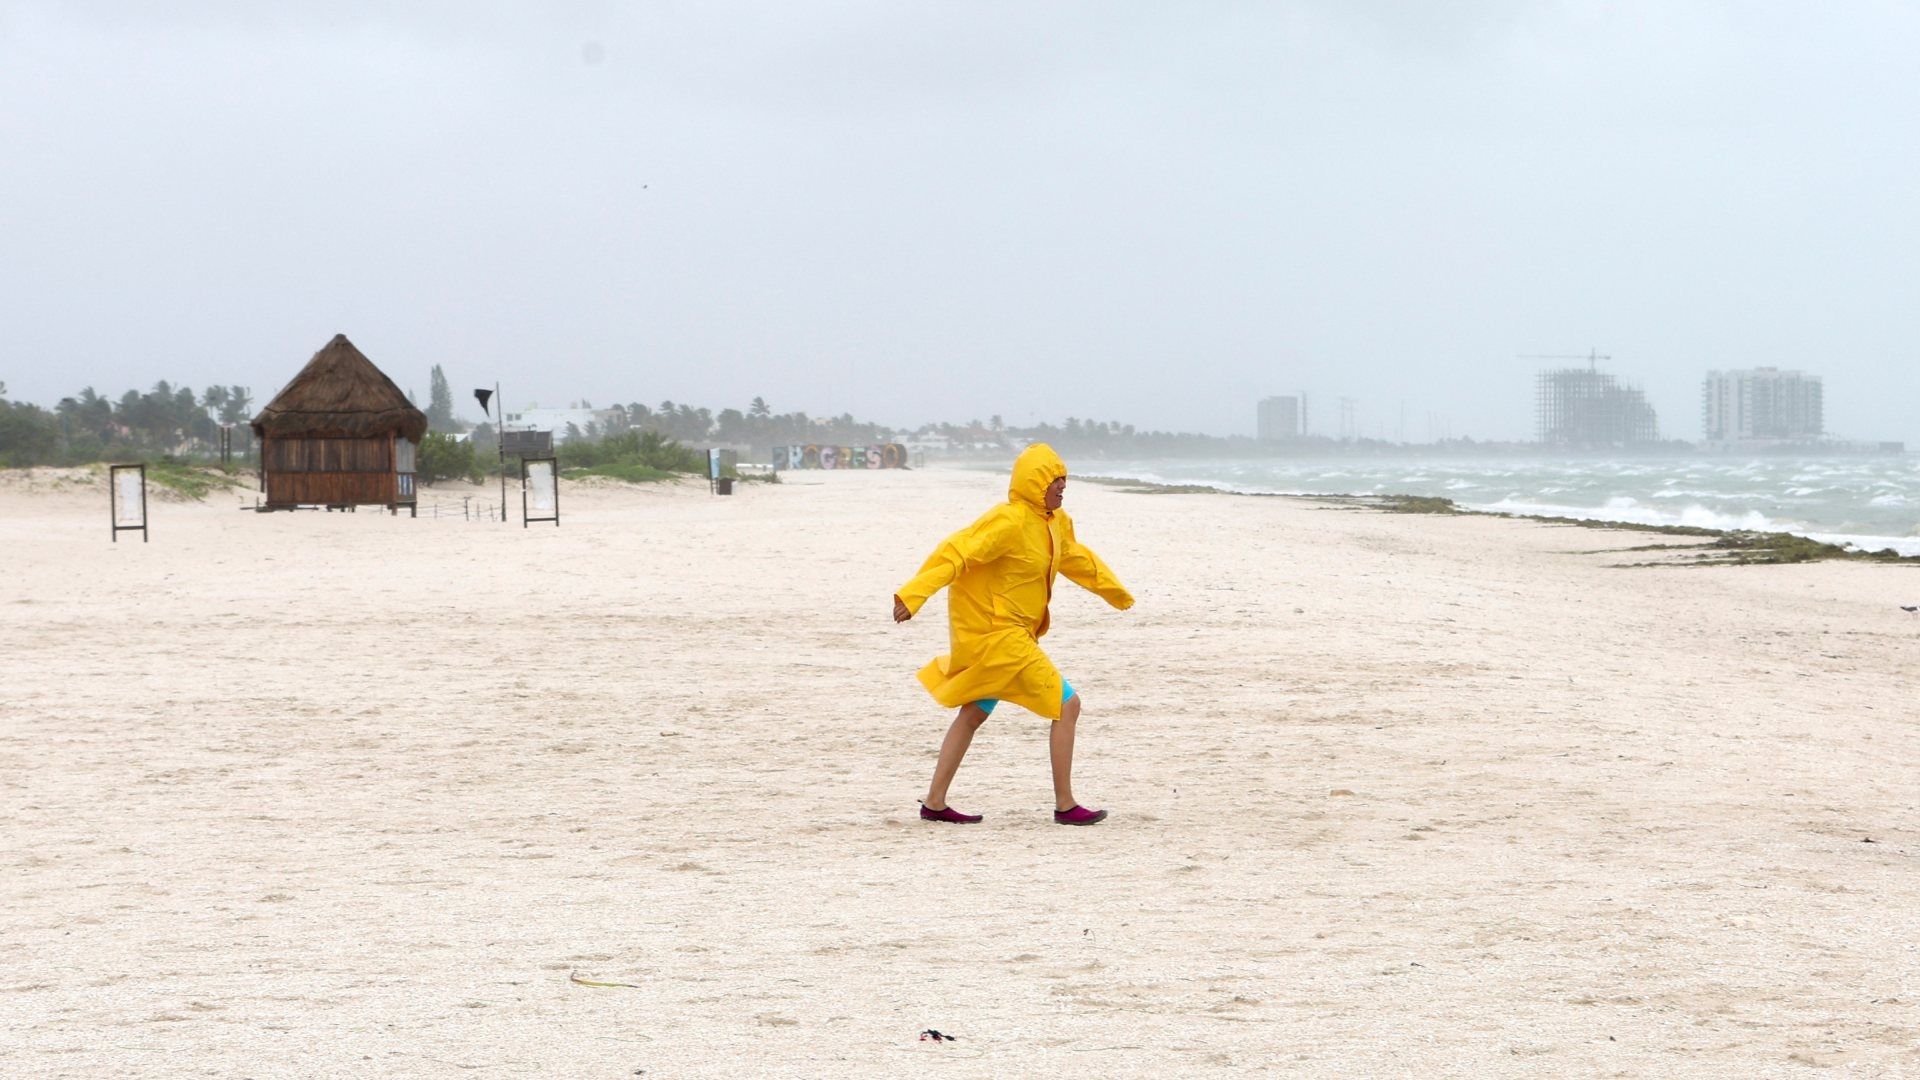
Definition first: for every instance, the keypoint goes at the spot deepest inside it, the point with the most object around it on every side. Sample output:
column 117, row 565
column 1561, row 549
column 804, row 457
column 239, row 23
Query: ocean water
column 1866, row 502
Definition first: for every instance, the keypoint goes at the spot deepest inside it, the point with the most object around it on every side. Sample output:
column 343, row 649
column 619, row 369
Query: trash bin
column 724, row 485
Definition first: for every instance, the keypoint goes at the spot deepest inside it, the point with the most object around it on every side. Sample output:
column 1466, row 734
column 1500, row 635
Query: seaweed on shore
column 1418, row 504
column 1750, row 548
column 1149, row 487
column 1726, row 547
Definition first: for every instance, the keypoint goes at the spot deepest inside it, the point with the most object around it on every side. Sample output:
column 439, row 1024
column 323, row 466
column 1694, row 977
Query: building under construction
column 1586, row 407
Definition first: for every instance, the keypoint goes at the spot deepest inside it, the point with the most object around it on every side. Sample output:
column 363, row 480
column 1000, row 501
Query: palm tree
column 131, row 411
column 686, row 422
column 237, row 413
column 758, row 409
column 69, row 413
column 235, row 410
column 186, row 416
column 95, row 414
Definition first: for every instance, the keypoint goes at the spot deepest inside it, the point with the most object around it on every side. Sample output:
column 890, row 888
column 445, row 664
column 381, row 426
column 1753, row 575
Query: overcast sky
column 1148, row 212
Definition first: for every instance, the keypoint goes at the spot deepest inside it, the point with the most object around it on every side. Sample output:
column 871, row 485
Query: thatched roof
column 340, row 393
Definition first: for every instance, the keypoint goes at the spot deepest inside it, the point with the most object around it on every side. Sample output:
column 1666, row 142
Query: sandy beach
column 1393, row 795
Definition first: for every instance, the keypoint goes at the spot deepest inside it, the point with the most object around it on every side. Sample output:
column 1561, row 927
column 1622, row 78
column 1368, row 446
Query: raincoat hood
column 999, row 575
column 1035, row 468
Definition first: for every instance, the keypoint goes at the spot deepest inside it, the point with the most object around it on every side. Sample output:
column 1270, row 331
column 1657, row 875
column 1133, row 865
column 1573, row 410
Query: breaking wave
column 1869, row 502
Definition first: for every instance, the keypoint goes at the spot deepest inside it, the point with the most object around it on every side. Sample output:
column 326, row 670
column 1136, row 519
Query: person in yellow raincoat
column 999, row 575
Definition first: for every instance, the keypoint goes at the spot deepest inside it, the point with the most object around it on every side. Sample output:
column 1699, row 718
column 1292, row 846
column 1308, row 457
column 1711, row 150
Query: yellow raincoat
column 1000, row 571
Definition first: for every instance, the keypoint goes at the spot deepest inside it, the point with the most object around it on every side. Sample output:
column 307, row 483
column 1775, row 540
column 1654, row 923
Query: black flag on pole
column 483, row 396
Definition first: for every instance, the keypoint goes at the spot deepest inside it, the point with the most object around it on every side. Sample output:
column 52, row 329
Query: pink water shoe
column 1079, row 815
column 948, row 814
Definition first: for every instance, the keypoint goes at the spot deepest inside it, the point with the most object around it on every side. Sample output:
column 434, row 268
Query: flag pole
column 501, row 442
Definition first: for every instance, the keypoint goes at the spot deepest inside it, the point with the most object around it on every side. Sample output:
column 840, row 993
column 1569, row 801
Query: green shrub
column 631, row 451
column 27, row 435
column 632, row 473
column 189, row 479
column 443, row 457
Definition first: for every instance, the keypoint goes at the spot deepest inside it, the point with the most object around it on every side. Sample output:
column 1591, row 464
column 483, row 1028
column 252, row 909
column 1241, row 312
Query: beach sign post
column 527, row 446
column 539, row 491
column 127, row 499
column 718, row 462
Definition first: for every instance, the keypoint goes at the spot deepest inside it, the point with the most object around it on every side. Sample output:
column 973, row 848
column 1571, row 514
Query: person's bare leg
column 1060, row 743
column 952, row 749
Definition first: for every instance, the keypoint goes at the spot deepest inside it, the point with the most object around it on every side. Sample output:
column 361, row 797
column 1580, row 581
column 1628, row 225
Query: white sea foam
column 1903, row 545
column 1632, row 512
column 1870, row 498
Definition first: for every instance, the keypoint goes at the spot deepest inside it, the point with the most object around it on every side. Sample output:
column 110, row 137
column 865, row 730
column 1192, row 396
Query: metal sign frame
column 113, row 501
column 527, row 445
column 526, row 474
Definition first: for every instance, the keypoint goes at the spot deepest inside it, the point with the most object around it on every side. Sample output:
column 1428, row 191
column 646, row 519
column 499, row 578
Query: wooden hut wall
column 335, row 472
column 330, row 455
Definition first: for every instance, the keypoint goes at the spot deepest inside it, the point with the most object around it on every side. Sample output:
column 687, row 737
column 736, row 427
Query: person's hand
column 900, row 611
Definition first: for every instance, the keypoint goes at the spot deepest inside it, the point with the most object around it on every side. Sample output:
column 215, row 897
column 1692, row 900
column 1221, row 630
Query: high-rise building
column 1278, row 418
column 1588, row 407
column 1759, row 404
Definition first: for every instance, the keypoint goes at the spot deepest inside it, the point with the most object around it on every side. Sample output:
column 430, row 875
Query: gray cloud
column 1154, row 213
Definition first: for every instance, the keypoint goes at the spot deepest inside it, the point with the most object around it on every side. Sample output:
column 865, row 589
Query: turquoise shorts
column 986, row 705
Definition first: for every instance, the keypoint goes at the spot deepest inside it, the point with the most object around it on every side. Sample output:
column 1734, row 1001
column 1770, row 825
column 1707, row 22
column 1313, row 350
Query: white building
column 590, row 423
column 1761, row 405
column 1278, row 418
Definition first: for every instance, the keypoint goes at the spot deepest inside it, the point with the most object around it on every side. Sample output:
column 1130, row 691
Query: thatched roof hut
column 340, row 434
column 340, row 394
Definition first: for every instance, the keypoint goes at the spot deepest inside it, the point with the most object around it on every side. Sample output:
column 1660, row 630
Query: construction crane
column 1593, row 357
